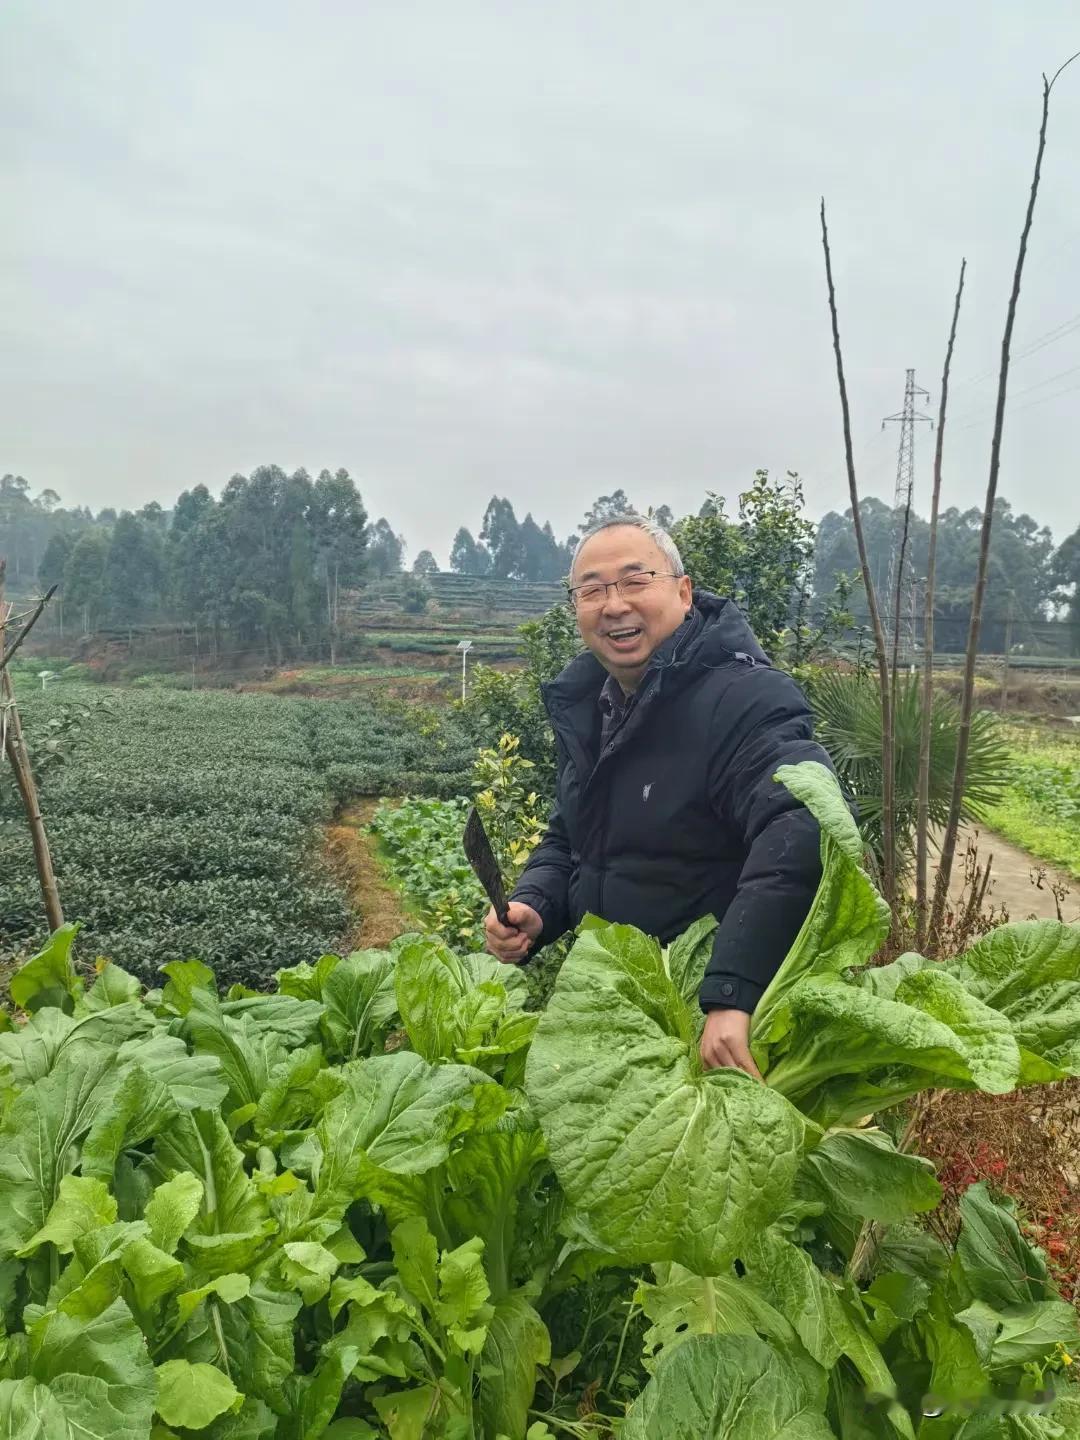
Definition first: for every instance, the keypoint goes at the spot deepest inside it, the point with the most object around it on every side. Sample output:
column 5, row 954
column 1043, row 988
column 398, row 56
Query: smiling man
column 668, row 730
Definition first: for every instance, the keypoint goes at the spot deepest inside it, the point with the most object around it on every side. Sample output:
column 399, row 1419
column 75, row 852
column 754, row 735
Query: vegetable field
column 387, row 1200
column 1041, row 808
column 188, row 823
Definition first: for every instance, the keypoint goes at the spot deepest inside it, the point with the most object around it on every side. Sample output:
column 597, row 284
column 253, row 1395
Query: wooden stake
column 15, row 749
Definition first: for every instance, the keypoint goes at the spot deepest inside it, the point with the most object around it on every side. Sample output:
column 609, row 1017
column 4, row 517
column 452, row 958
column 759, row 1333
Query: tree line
column 270, row 559
column 512, row 549
column 1029, row 577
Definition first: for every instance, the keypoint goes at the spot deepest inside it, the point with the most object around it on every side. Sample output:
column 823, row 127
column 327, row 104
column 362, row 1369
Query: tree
column 607, row 507
column 385, row 550
column 539, row 554
column 339, row 527
column 467, row 556
column 16, row 514
column 425, row 564
column 663, row 516
column 501, row 533
column 134, row 570
column 84, row 575
column 51, row 569
column 762, row 560
column 1065, row 573
column 415, row 595
column 188, row 556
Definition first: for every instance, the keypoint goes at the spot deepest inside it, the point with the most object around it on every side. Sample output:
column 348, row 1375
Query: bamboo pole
column 888, row 822
column 948, row 844
column 922, row 821
column 15, row 749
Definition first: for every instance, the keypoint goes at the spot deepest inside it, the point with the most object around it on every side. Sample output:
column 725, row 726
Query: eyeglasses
column 594, row 594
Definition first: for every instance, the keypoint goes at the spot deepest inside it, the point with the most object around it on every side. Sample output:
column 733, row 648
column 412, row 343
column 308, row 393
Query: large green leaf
column 1000, row 1267
column 296, row 1092
column 727, row 1387
column 259, row 1331
column 847, row 921
column 469, row 1010
column 680, row 1305
column 828, row 1323
column 293, row 1021
column 687, row 956
column 860, row 1175
column 97, row 1370
column 48, row 978
column 1021, row 1334
column 398, row 1115
column 171, row 1209
column 319, row 1395
column 39, row 1142
column 1030, row 972
column 191, row 1082
column 361, row 1005
column 849, row 1047
column 668, row 1161
column 193, row 1395
column 113, row 986
column 245, row 1053
column 233, row 1218
column 29, row 1412
column 82, row 1205
column 33, row 1049
column 517, row 1343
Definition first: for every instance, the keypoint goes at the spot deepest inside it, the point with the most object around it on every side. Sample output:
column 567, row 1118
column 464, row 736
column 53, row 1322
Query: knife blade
column 482, row 859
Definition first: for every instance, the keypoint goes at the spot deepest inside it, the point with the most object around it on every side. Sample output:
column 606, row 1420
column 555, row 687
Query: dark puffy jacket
column 680, row 817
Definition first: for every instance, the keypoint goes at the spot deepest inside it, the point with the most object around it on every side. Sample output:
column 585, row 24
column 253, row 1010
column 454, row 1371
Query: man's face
column 623, row 631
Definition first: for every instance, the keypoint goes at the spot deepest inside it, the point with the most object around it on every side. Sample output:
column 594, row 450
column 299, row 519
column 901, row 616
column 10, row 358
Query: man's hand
column 512, row 943
column 725, row 1041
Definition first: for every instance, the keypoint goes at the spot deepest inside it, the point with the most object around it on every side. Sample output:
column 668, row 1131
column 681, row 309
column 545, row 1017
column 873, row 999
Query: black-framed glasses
column 594, row 592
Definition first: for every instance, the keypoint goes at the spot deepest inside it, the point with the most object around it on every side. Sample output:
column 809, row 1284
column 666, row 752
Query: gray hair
column 656, row 533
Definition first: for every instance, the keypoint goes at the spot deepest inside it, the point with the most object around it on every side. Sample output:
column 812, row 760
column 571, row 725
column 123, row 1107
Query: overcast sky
column 544, row 249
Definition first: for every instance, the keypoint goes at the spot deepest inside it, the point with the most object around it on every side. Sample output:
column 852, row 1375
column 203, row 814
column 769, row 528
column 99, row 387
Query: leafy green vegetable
column 1000, row 1267
column 728, row 1387
column 240, row 1217
column 636, row 1128
column 193, row 1395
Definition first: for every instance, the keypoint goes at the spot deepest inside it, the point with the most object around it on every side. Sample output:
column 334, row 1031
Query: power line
column 1015, row 395
column 1031, row 405
column 1048, row 337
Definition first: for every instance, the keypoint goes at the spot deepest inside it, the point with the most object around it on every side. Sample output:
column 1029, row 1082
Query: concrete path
column 1013, row 874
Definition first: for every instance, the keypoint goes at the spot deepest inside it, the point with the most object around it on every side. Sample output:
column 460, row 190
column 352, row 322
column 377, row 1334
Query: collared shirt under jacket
column 672, row 812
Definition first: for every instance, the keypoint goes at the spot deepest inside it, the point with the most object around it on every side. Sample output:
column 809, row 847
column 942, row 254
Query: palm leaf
column 848, row 710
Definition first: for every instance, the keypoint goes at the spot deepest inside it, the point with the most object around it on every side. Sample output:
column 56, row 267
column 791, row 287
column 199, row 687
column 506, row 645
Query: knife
column 482, row 859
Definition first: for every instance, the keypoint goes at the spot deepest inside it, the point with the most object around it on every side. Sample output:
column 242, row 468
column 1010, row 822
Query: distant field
column 1041, row 809
column 189, row 824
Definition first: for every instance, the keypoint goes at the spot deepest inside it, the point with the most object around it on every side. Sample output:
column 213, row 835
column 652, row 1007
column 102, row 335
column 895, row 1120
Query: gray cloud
column 539, row 249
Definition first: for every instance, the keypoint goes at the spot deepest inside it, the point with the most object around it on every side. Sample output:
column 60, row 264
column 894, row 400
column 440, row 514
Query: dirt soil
column 1025, row 1145
column 1020, row 884
column 380, row 912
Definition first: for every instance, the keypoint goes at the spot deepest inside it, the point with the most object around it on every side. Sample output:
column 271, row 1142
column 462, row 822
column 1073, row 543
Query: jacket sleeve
column 545, row 882
column 770, row 724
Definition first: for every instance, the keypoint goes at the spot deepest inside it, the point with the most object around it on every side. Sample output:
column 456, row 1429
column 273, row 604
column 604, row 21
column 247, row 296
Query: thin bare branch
column 948, row 845
column 887, row 763
column 922, row 821
column 35, row 615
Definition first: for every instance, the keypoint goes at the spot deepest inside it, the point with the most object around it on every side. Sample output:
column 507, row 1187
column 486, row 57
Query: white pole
column 464, row 653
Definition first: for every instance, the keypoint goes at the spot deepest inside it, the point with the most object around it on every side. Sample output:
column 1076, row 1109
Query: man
column 668, row 731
